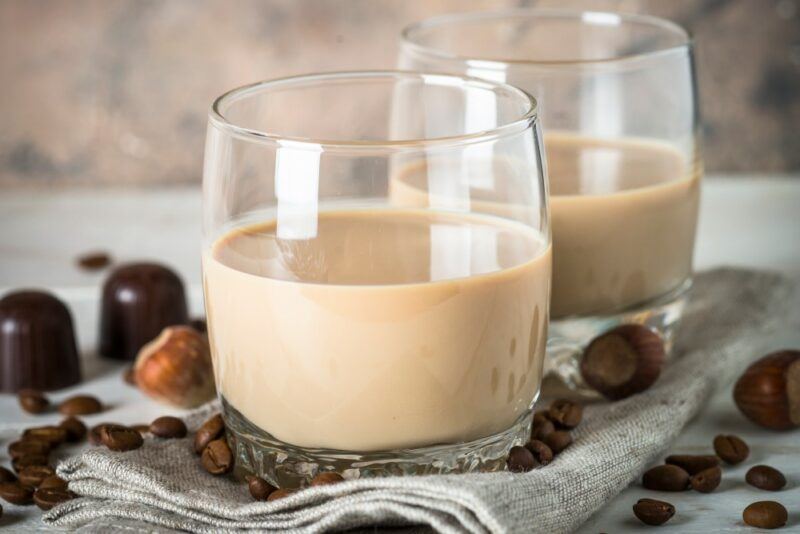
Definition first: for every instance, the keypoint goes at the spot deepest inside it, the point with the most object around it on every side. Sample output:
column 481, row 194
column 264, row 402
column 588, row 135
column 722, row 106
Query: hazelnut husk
column 768, row 393
column 623, row 361
column 175, row 368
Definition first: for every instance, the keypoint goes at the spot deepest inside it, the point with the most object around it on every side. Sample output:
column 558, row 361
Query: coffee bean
column 120, row 438
column 558, row 441
column 6, row 475
column 520, row 460
column 16, row 493
column 33, row 401
column 666, row 478
column 211, row 430
column 80, row 405
column 280, row 494
column 47, row 498
column 25, row 447
column 51, row 434
column 34, row 474
column 693, row 463
column 75, row 429
column 53, row 482
column 653, row 512
column 94, row 433
column 168, row 427
column 326, row 478
column 217, row 457
column 765, row 477
column 141, row 429
column 565, row 413
column 541, row 452
column 259, row 488
column 706, row 480
column 731, row 449
column 93, row 261
column 28, row 460
column 129, row 376
column 542, row 426
column 765, row 514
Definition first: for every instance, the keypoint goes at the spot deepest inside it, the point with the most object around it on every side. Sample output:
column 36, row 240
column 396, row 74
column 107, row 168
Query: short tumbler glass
column 618, row 104
column 356, row 327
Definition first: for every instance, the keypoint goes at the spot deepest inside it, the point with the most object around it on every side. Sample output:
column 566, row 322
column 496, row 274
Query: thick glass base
column 289, row 466
column 568, row 337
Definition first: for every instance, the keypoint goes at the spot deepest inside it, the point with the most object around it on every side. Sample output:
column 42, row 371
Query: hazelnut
column 623, row 361
column 768, row 393
column 175, row 368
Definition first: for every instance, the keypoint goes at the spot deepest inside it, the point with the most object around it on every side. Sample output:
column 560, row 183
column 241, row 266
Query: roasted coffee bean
column 168, row 427
column 53, row 482
column 51, row 434
column 217, row 457
column 653, row 512
column 75, row 428
column 259, row 488
column 94, row 433
column 6, row 475
column 565, row 413
column 280, row 494
column 693, row 463
column 16, row 493
column 120, row 438
column 520, row 460
column 93, row 261
column 706, row 480
column 81, row 405
column 33, row 401
column 326, row 478
column 129, row 376
column 666, row 478
column 765, row 477
column 542, row 426
column 731, row 449
column 34, row 474
column 28, row 460
column 24, row 447
column 558, row 441
column 765, row 514
column 46, row 498
column 211, row 430
column 541, row 452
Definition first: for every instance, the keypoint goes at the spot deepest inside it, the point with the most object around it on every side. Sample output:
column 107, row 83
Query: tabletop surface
column 751, row 221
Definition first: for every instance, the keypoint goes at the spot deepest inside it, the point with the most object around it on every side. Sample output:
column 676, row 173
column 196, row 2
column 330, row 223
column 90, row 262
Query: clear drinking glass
column 356, row 328
column 618, row 104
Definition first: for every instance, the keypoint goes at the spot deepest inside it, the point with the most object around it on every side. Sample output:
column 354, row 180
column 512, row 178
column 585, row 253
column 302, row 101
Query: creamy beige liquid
column 388, row 329
column 623, row 216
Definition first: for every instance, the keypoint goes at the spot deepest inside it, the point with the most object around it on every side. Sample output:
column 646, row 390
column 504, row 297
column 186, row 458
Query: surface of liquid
column 384, row 329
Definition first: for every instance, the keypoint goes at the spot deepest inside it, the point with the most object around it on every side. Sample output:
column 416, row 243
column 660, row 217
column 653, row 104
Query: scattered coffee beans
column 558, row 441
column 6, row 475
column 326, row 478
column 706, row 480
column 542, row 426
column 120, row 438
column 693, row 463
column 18, row 449
column 731, row 449
column 653, row 512
column 211, row 430
column 33, row 401
column 520, row 460
column 541, row 452
column 217, row 457
column 33, row 475
column 93, row 261
column 46, row 498
column 280, row 494
column 168, row 427
column 28, row 460
column 75, row 429
column 53, row 482
column 16, row 493
column 259, row 488
column 666, row 478
column 80, row 405
column 765, row 514
column 765, row 477
column 565, row 413
column 51, row 434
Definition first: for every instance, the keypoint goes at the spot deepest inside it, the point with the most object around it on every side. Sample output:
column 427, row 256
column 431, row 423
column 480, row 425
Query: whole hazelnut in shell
column 175, row 368
column 768, row 393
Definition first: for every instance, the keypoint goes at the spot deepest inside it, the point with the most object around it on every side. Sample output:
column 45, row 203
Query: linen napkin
column 161, row 486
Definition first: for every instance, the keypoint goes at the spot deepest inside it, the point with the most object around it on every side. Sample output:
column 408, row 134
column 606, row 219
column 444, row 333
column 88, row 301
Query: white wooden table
column 746, row 221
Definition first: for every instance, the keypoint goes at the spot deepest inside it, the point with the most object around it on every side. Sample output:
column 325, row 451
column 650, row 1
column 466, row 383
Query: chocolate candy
column 139, row 301
column 37, row 343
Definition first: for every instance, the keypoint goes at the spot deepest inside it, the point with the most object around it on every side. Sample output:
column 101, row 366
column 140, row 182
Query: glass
column 370, row 310
column 619, row 108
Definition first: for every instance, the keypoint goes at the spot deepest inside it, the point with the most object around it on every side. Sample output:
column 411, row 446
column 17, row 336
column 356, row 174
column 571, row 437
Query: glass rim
column 217, row 116
column 408, row 40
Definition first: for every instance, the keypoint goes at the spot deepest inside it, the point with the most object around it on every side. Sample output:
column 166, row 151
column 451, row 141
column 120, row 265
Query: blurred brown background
column 116, row 91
